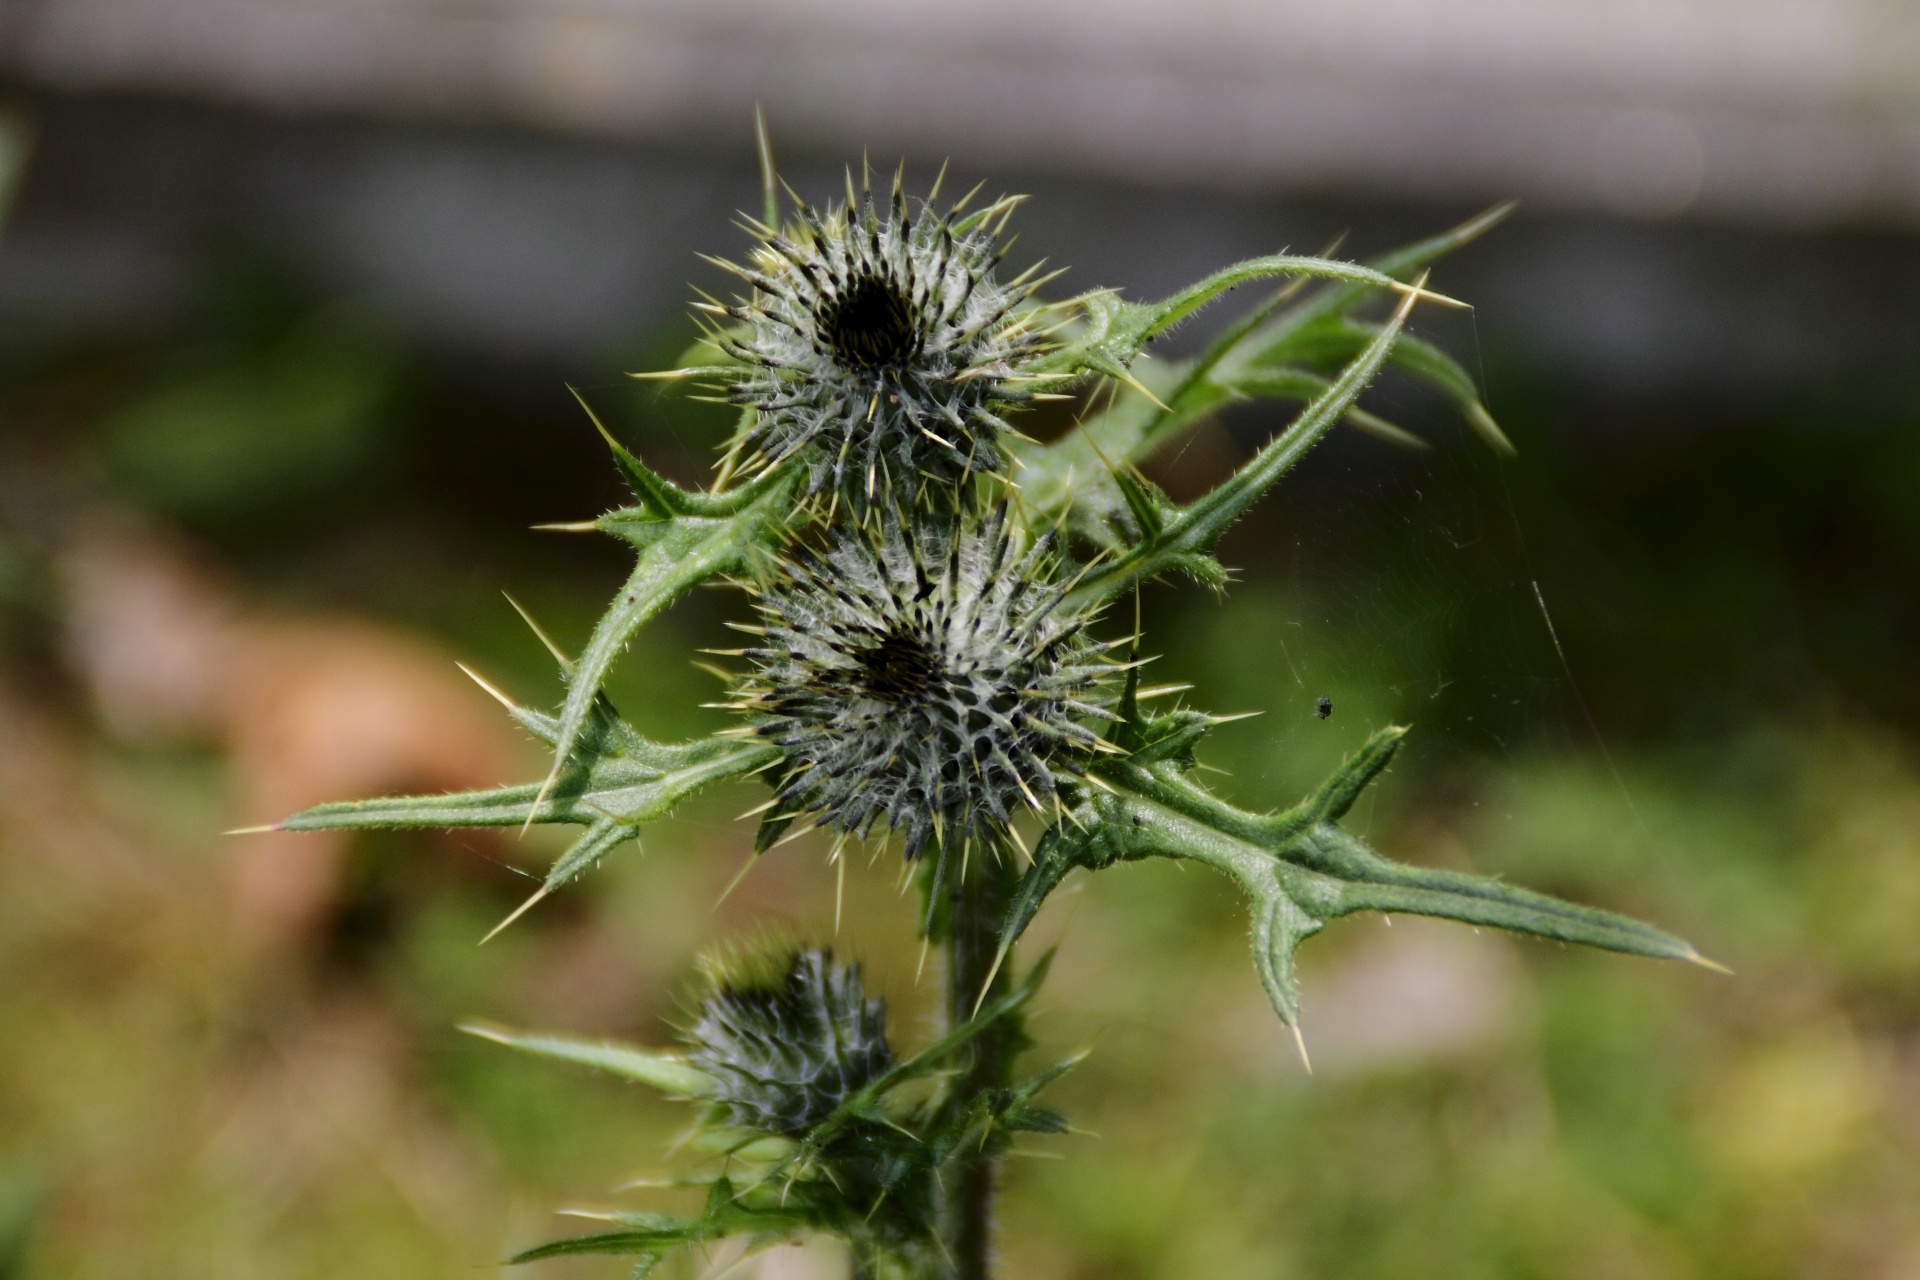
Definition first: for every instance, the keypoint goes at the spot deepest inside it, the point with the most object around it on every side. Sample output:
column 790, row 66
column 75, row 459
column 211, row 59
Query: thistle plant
column 935, row 668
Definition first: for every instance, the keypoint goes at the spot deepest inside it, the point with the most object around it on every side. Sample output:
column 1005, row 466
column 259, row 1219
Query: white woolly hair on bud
column 930, row 683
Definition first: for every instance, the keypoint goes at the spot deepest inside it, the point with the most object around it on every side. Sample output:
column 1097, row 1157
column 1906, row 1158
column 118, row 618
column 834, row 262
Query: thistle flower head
column 930, row 683
column 788, row 1039
column 882, row 345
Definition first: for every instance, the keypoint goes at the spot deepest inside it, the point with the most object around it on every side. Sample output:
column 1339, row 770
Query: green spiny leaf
column 611, row 1242
column 1336, row 339
column 1197, row 526
column 614, row 782
column 1149, row 506
column 1298, row 384
column 661, row 497
column 1299, row 868
column 599, row 788
column 667, row 1072
column 1278, row 927
column 1122, row 328
column 676, row 554
column 727, row 1211
column 1401, row 264
column 1070, row 475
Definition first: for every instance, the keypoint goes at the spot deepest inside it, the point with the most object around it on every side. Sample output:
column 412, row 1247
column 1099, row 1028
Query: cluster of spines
column 928, row 681
column 787, row 1038
column 881, row 346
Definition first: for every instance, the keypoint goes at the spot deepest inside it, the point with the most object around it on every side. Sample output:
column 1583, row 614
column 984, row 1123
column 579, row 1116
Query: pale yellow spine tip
column 664, row 374
column 518, row 911
column 494, row 693
column 1418, row 289
column 999, row 959
column 559, row 654
column 1300, row 1043
column 252, row 831
column 1410, row 294
column 486, row 1030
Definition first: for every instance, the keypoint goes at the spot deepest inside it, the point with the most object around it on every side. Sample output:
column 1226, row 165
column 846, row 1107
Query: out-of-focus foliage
column 190, row 444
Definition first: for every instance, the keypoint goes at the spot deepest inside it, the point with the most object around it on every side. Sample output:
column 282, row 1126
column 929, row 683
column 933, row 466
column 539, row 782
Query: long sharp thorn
column 999, row 959
column 594, row 418
column 1417, row 290
column 652, row 375
column 252, row 831
column 476, row 677
column 769, row 195
column 1126, row 376
column 559, row 654
column 1412, row 294
column 734, row 883
column 540, row 800
column 791, row 836
column 1160, row 691
column 1020, row 844
column 1300, row 1043
column 518, row 911
column 839, row 891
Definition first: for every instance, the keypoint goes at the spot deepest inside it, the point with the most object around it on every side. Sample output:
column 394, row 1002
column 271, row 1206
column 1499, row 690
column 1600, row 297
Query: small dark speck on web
column 1322, row 707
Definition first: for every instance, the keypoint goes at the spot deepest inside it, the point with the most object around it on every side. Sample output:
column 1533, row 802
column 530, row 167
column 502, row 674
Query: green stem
column 979, row 904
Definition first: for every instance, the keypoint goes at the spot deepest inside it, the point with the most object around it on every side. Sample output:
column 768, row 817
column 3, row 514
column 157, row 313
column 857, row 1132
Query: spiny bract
column 926, row 682
column 882, row 344
column 788, row 1043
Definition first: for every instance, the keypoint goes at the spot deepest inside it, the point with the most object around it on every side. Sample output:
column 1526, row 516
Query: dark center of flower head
column 898, row 669
column 871, row 325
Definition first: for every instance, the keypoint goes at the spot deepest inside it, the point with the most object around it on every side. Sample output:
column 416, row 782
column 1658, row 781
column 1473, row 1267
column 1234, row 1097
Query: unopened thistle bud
column 882, row 346
column 788, row 1039
column 928, row 683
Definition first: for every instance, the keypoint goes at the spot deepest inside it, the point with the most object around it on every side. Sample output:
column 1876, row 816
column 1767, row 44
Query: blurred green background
column 279, row 399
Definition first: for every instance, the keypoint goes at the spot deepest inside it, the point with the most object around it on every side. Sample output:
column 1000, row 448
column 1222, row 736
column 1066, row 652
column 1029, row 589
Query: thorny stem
column 980, row 903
